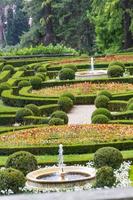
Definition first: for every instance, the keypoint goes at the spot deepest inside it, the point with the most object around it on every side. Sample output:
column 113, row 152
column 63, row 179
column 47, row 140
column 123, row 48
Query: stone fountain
column 91, row 73
column 60, row 176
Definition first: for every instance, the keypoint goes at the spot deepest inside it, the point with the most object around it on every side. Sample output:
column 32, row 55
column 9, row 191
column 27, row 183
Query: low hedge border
column 9, row 99
column 4, row 76
column 123, row 115
column 49, row 109
column 121, row 121
column 69, row 149
column 128, row 79
column 7, row 119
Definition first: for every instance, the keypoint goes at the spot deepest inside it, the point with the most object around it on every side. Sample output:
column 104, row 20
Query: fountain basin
column 91, row 74
column 50, row 177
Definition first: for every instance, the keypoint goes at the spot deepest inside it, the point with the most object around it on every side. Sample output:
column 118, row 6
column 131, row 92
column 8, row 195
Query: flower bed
column 85, row 88
column 67, row 135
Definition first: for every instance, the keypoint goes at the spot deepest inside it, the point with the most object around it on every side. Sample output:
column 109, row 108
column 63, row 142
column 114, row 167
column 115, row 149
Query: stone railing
column 106, row 194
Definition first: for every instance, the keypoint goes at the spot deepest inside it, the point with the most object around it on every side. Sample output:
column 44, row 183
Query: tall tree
column 113, row 20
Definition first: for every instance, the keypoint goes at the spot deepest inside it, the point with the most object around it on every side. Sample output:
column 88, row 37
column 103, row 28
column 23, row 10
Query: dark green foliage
column 100, row 119
column 23, row 161
column 11, row 179
column 56, row 121
column 105, row 177
column 115, row 71
column 117, row 63
column 70, row 95
column 8, row 67
column 34, row 109
column 20, row 114
column 65, row 103
column 41, row 75
column 108, row 156
column 61, row 115
column 106, row 93
column 36, row 82
column 42, row 69
column 67, row 74
column 70, row 66
column 102, row 111
column 22, row 84
column 4, row 86
column 101, row 101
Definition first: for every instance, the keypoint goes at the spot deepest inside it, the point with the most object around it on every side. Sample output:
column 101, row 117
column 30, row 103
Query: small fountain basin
column 91, row 74
column 52, row 177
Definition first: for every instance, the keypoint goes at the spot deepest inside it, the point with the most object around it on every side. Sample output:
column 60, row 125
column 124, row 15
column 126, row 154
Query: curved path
column 81, row 114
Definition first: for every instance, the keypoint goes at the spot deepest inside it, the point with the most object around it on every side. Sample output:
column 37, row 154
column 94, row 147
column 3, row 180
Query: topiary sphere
column 8, row 67
column 115, row 71
column 105, row 177
column 65, row 104
column 41, row 69
column 22, row 84
column 42, row 76
column 66, row 74
column 105, row 93
column 23, row 161
column 102, row 111
column 21, row 113
column 11, row 179
column 71, row 66
column 34, row 108
column 61, row 115
column 4, row 86
column 36, row 82
column 117, row 63
column 70, row 95
column 108, row 156
column 56, row 121
column 100, row 119
column 102, row 101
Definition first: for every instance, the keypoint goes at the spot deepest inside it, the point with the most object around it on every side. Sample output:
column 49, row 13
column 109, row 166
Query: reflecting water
column 71, row 176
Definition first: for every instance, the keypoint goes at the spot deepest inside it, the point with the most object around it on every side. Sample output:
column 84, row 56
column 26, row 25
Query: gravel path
column 81, row 114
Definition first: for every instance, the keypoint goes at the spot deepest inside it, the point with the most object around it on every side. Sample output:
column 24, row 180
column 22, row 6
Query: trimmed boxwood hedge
column 68, row 149
column 12, row 100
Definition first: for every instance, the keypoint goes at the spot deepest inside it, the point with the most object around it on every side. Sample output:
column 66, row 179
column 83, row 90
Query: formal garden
column 66, row 96
column 37, row 96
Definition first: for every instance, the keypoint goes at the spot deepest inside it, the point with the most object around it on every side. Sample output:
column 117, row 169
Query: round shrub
column 23, row 161
column 117, row 63
column 42, row 76
column 8, row 67
column 61, row 115
column 70, row 66
column 65, row 103
column 108, row 156
column 41, row 69
column 56, row 121
column 105, row 93
column 101, row 101
column 34, row 108
column 22, row 84
column 70, row 95
column 36, row 82
column 67, row 74
column 102, row 111
column 21, row 113
column 105, row 177
column 100, row 119
column 115, row 71
column 4, row 86
column 11, row 179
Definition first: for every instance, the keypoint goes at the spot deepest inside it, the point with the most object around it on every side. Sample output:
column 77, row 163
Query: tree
column 10, row 27
column 113, row 20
